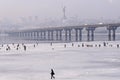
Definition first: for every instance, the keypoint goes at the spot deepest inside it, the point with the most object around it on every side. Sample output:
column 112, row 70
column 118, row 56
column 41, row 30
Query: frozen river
column 71, row 63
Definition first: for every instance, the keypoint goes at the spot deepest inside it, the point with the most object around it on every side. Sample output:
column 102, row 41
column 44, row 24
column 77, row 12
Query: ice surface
column 70, row 63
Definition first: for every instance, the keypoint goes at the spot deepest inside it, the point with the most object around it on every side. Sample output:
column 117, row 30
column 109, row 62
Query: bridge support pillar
column 80, row 34
column 44, row 35
column 25, row 35
column 37, row 33
column 110, row 35
column 40, row 35
column 20, row 35
column 67, row 34
column 60, row 34
column 114, row 35
column 29, row 35
column 76, row 34
column 32, row 35
column 90, row 33
column 48, row 35
column 57, row 35
column 52, row 37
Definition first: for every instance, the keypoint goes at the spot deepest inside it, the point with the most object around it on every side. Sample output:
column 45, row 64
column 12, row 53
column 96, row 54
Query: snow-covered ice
column 70, row 63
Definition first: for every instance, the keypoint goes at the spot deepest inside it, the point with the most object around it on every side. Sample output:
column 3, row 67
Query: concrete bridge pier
column 109, row 34
column 26, row 35
column 67, row 34
column 40, row 35
column 35, row 35
column 32, row 34
column 52, row 37
column 57, row 35
column 48, row 36
column 114, row 33
column 110, row 30
column 60, row 34
column 78, row 34
column 22, row 35
column 29, row 35
column 44, row 35
column 19, row 34
column 90, row 33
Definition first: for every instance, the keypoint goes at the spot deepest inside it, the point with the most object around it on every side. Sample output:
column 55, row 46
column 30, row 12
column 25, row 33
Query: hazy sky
column 53, row 8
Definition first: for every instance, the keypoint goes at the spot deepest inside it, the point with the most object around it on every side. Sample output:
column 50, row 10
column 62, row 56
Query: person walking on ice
column 24, row 48
column 52, row 74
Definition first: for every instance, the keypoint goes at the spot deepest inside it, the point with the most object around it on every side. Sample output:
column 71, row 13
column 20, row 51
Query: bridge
column 58, row 33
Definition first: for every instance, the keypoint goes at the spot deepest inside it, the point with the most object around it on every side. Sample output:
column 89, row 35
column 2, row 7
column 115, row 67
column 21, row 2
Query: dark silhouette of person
column 72, row 44
column 24, row 48
column 17, row 48
column 34, row 45
column 104, row 44
column 64, row 45
column 2, row 45
column 99, row 45
column 117, row 45
column 82, row 44
column 8, row 47
column 52, row 74
column 18, row 45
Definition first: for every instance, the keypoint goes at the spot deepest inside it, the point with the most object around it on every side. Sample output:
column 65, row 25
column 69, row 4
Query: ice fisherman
column 24, row 48
column 52, row 74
